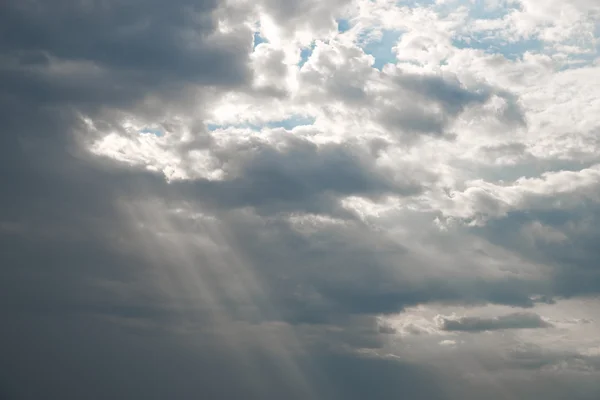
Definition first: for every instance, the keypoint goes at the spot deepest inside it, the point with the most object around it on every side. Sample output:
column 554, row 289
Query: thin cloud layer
column 265, row 200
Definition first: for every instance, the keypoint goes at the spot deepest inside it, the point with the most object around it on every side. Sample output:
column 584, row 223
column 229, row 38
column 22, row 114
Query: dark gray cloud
column 535, row 358
column 447, row 93
column 573, row 258
column 414, row 114
column 144, row 40
column 479, row 324
column 353, row 269
column 296, row 175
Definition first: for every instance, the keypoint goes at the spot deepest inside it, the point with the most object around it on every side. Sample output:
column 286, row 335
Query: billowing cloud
column 348, row 199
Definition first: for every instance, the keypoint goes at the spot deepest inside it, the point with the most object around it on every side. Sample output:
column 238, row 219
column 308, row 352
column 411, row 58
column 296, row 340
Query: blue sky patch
column 152, row 131
column 259, row 39
column 477, row 9
column 305, row 54
column 510, row 50
column 292, row 122
column 288, row 124
column 381, row 49
column 343, row 25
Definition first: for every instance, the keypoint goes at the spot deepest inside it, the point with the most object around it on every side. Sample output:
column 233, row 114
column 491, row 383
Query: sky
column 273, row 199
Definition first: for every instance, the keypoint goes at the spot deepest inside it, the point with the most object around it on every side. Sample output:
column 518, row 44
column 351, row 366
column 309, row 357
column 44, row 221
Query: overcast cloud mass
column 345, row 199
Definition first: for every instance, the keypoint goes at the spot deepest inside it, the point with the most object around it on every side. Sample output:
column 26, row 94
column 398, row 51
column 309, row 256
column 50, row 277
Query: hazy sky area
column 300, row 200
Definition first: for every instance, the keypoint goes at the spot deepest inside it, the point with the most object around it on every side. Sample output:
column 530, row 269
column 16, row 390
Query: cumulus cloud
column 299, row 199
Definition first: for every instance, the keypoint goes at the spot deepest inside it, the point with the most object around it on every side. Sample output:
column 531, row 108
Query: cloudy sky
column 274, row 199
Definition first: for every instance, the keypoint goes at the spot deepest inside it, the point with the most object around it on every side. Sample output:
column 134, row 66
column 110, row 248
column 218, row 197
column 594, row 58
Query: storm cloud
column 227, row 199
